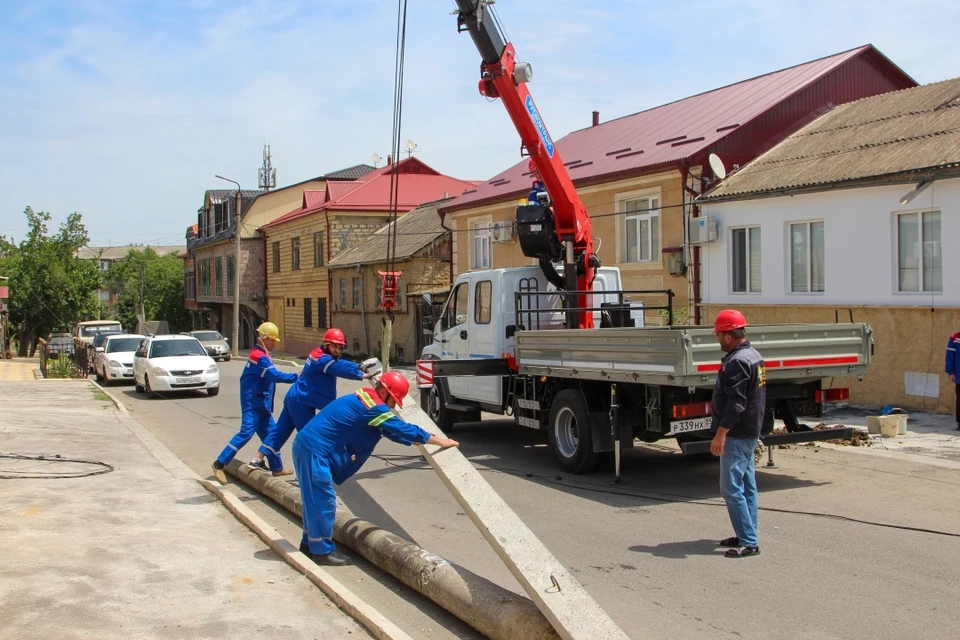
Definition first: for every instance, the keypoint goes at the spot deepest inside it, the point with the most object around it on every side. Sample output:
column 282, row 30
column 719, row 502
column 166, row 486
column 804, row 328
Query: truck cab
column 479, row 323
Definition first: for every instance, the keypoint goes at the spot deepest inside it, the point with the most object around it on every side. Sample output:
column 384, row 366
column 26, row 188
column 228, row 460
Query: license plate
column 188, row 380
column 685, row 426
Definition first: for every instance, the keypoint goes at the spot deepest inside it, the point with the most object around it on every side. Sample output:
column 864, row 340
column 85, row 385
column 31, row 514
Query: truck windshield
column 94, row 329
column 171, row 348
column 123, row 344
column 208, row 336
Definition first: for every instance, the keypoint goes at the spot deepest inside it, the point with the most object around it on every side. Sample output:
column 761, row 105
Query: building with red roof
column 300, row 244
column 639, row 174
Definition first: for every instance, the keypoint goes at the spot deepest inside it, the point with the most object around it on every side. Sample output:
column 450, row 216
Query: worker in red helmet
column 301, row 402
column 739, row 402
column 335, row 444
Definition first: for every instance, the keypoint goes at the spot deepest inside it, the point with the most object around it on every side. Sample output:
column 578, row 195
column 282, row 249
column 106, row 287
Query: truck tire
column 570, row 432
column 437, row 411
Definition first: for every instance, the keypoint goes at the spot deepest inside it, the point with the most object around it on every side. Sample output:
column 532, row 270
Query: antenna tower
column 268, row 175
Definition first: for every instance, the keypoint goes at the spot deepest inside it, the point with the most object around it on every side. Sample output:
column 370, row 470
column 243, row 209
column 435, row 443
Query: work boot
column 329, row 559
column 282, row 472
column 218, row 472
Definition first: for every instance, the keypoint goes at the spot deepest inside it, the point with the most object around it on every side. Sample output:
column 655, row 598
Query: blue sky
column 124, row 110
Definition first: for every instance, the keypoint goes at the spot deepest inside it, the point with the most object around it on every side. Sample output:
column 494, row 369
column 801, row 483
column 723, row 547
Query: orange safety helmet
column 729, row 320
column 334, row 336
column 396, row 385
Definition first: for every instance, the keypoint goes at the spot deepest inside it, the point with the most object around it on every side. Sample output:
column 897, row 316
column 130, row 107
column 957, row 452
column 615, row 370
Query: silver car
column 216, row 346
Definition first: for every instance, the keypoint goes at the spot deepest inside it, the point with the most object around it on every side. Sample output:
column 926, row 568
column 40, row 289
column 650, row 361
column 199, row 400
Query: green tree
column 162, row 288
column 50, row 288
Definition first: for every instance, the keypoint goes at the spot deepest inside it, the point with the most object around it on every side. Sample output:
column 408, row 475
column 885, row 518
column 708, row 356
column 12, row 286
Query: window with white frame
column 919, row 260
column 745, row 260
column 641, row 229
column 807, row 257
column 481, row 245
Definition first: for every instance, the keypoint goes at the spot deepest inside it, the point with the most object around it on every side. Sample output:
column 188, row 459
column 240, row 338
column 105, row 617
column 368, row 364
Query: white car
column 174, row 363
column 113, row 361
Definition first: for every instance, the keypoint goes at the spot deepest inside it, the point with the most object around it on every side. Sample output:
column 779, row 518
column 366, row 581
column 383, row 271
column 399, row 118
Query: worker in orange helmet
column 335, row 444
column 317, row 388
column 739, row 402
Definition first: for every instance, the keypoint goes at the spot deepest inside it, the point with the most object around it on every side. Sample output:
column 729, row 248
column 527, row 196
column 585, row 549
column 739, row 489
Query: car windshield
column 170, row 348
column 207, row 336
column 123, row 344
column 93, row 330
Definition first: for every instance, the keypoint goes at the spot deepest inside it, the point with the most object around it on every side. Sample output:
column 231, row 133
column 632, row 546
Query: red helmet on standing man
column 396, row 385
column 334, row 336
column 729, row 320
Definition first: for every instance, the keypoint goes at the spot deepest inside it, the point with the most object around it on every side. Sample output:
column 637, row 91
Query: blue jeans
column 738, row 486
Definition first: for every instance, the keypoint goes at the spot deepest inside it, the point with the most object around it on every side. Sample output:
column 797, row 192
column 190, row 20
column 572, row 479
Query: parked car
column 174, row 363
column 59, row 344
column 216, row 345
column 97, row 343
column 113, row 361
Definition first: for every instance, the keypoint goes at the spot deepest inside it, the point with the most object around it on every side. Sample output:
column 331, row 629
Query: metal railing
column 616, row 310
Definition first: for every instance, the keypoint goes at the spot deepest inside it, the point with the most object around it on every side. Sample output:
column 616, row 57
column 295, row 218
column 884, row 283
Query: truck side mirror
column 461, row 318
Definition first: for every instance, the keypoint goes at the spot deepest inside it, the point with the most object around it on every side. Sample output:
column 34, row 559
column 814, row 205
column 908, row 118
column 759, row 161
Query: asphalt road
column 645, row 549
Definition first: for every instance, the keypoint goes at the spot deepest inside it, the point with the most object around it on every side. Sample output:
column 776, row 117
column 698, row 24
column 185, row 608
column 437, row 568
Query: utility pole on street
column 235, row 338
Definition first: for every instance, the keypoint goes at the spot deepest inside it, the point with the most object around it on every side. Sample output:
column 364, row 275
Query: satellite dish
column 376, row 158
column 411, row 145
column 717, row 165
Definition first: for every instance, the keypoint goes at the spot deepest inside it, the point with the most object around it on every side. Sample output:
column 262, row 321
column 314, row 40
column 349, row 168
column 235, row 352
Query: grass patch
column 100, row 395
column 61, row 367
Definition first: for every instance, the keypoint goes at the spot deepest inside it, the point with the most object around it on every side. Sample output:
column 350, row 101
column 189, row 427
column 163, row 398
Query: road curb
column 376, row 623
column 496, row 612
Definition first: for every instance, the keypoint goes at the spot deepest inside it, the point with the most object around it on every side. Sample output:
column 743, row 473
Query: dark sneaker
column 742, row 552
column 329, row 559
column 259, row 464
column 218, row 472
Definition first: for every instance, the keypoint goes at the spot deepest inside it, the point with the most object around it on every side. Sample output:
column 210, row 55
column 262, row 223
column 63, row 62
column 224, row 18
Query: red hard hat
column 729, row 320
column 396, row 385
column 335, row 336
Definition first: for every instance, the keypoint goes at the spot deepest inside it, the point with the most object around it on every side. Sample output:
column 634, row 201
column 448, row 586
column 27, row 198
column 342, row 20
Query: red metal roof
column 418, row 183
column 678, row 131
column 313, row 198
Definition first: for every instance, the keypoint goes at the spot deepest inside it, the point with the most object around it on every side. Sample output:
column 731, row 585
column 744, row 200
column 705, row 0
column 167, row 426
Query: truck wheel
column 571, row 435
column 437, row 411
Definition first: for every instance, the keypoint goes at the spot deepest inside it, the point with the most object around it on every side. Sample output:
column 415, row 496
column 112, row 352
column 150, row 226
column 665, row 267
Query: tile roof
column 669, row 134
column 898, row 133
column 417, row 183
column 355, row 172
column 118, row 253
column 415, row 230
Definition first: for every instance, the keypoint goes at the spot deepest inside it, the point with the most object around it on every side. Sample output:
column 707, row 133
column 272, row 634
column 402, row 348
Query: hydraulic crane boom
column 558, row 227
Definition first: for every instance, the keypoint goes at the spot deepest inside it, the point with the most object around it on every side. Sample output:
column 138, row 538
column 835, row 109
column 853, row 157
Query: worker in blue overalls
column 257, row 385
column 315, row 389
column 335, row 444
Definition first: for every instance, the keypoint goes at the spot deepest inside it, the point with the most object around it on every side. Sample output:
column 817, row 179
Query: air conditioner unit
column 702, row 230
column 502, row 231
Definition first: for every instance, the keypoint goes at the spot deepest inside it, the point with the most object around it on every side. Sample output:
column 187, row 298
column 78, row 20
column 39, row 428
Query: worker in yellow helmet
column 257, row 385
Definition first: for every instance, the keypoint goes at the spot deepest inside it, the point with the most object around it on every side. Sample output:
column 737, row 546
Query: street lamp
column 235, row 339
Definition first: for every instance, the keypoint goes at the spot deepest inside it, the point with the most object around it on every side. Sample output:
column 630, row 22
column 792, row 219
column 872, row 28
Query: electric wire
column 29, row 473
column 391, row 460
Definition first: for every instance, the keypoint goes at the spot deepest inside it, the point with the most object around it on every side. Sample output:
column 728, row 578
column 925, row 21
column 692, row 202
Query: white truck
column 501, row 346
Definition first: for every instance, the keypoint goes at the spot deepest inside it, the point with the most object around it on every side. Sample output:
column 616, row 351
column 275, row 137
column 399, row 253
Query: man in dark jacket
column 739, row 402
column 953, row 368
column 335, row 444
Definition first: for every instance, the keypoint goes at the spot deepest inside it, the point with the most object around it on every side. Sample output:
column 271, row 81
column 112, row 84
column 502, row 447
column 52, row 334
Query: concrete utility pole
column 235, row 338
column 143, row 314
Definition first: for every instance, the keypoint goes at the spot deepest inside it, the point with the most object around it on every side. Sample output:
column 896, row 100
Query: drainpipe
column 363, row 309
column 694, row 250
column 330, row 304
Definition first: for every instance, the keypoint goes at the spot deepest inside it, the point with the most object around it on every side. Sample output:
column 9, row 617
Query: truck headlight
column 157, row 371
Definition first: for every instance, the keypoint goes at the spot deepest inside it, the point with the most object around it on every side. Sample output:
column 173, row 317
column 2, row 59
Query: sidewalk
column 19, row 369
column 142, row 551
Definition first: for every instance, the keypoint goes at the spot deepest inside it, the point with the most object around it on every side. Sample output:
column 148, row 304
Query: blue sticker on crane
column 538, row 123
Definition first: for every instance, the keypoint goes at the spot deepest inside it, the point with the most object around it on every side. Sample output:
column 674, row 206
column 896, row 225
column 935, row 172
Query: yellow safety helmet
column 269, row 330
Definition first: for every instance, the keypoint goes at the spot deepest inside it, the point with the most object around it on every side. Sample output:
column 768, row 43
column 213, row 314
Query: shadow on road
column 680, row 549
